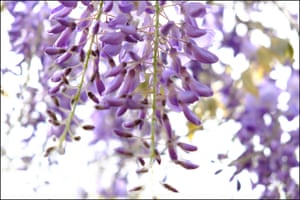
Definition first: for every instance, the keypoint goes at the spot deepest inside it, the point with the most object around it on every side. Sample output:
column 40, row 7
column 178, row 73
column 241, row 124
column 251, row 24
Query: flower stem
column 155, row 63
column 77, row 95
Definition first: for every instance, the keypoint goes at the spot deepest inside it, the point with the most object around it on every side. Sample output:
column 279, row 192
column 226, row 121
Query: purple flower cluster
column 274, row 161
column 130, row 60
column 135, row 64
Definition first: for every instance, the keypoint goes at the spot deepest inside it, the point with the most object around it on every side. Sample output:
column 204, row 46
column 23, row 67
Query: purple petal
column 172, row 152
column 187, row 147
column 60, row 11
column 194, row 9
column 71, row 4
column 121, row 19
column 166, row 28
column 114, row 102
column 57, row 28
column 116, row 83
column 108, row 5
column 202, row 55
column 122, row 133
column 99, row 84
column 187, row 164
column 54, row 50
column 113, row 71
column 96, row 27
column 167, row 126
column 63, row 58
column 64, row 38
column 194, row 31
column 201, row 89
column 190, row 115
column 126, row 6
column 111, row 50
column 57, row 76
column 112, row 38
column 187, row 96
column 127, row 29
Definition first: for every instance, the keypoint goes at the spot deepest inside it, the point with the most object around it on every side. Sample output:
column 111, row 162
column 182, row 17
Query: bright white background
column 72, row 172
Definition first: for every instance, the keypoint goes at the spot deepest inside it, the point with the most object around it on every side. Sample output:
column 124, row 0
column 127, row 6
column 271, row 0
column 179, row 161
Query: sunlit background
column 75, row 173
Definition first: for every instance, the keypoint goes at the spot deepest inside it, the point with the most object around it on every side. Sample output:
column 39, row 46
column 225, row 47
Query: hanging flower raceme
column 134, row 65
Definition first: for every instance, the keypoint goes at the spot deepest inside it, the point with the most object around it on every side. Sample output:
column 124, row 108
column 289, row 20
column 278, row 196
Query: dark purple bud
column 143, row 170
column 116, row 83
column 108, row 5
column 238, row 185
column 49, row 150
column 218, row 171
column 138, row 188
column 141, row 160
column 54, row 122
column 67, row 71
column 81, row 55
column 101, row 107
column 55, row 100
column 169, row 187
column 187, row 147
column 88, row 127
column 64, row 38
column 96, row 28
column 122, row 151
column 63, row 58
column 74, row 48
column 132, row 124
column 167, row 126
column 166, row 28
column 54, row 50
column 187, row 96
column 122, row 133
column 172, row 152
column 190, row 115
column 157, row 156
column 99, row 84
column 187, row 164
column 77, row 138
column 114, row 38
column 71, row 4
column 57, row 28
column 194, row 9
column 145, row 143
column 93, row 97
column 126, row 6
column 51, row 115
column 202, row 55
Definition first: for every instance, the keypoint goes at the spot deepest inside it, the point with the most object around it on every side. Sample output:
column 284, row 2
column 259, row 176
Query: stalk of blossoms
column 77, row 95
column 155, row 63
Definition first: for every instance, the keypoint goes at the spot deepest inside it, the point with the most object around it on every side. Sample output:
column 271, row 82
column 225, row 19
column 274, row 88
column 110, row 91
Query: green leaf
column 248, row 83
